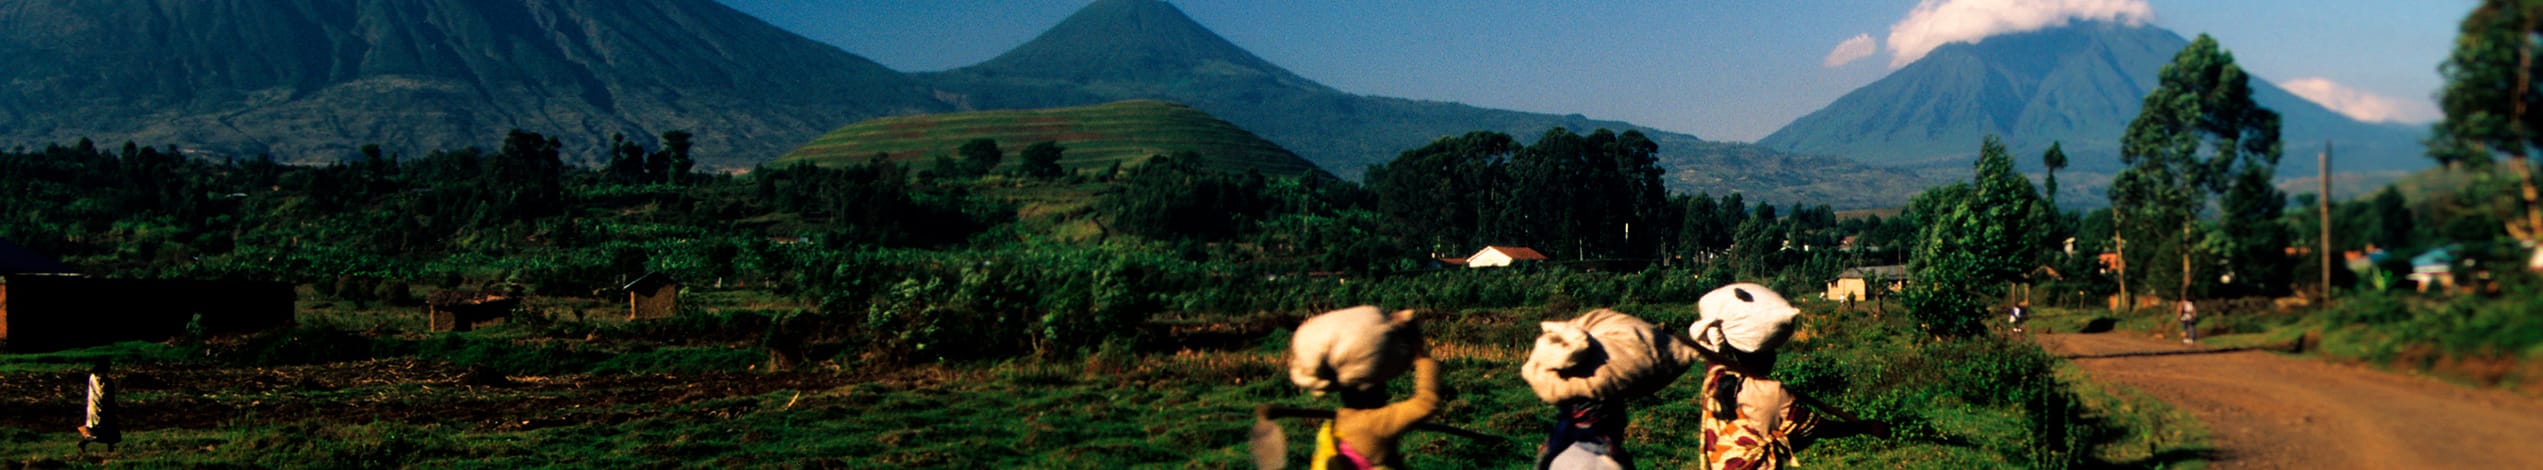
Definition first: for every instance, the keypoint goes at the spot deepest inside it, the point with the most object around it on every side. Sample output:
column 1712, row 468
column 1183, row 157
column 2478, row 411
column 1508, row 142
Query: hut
column 653, row 295
column 463, row 310
column 2434, row 268
column 1502, row 256
column 1855, row 283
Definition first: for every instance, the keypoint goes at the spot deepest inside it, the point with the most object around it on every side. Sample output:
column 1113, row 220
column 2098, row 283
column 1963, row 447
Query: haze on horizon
column 1731, row 71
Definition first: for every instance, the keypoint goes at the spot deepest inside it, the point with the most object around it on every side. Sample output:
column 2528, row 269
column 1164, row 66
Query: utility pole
column 2324, row 198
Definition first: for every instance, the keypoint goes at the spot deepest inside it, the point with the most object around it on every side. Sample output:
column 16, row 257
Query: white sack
column 1754, row 319
column 1354, row 348
column 1603, row 355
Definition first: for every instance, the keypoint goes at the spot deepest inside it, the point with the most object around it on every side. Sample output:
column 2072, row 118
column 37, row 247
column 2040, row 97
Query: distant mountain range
column 2079, row 85
column 312, row 80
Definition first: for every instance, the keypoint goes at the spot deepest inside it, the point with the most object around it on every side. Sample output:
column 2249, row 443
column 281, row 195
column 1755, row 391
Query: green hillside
column 1095, row 137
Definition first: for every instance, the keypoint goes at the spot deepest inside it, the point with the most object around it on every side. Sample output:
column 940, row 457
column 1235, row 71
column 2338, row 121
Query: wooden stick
column 1271, row 411
column 1717, row 358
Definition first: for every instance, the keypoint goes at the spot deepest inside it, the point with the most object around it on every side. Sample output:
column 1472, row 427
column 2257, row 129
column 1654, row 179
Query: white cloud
column 1937, row 22
column 2360, row 104
column 1855, row 48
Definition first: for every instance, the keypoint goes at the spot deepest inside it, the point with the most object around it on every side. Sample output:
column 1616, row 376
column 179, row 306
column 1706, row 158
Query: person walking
column 99, row 424
column 2021, row 311
column 1353, row 353
column 2189, row 322
column 1750, row 420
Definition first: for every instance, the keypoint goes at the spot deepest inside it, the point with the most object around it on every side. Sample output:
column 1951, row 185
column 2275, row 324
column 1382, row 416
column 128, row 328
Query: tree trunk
column 2185, row 261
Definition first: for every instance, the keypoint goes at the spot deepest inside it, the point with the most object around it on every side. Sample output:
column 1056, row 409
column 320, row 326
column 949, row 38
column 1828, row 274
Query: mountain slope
column 2079, row 85
column 1146, row 49
column 1093, row 137
column 310, row 80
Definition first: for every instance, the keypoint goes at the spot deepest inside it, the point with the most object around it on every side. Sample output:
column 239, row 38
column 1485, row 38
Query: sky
column 1732, row 70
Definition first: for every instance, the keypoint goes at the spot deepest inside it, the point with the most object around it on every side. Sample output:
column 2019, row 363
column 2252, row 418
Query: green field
column 559, row 387
column 1096, row 137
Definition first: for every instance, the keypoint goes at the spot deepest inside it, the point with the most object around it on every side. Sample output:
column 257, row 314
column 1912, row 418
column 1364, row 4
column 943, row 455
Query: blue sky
column 1723, row 70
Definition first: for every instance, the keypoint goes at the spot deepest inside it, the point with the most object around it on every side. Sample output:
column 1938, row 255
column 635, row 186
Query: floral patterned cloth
column 1757, row 430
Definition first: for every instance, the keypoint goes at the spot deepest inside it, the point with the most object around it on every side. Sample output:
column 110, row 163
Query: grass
column 2135, row 429
column 593, row 393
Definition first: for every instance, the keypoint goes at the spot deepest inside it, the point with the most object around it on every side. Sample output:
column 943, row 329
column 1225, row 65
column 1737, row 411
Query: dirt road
column 2269, row 411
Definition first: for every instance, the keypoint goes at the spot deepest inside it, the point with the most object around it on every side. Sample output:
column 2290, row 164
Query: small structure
column 45, row 306
column 653, row 295
column 463, row 310
column 2435, row 267
column 1854, row 283
column 1501, row 256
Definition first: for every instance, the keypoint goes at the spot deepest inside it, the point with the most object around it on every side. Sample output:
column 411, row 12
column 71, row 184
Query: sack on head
column 1602, row 355
column 1352, row 349
column 1752, row 319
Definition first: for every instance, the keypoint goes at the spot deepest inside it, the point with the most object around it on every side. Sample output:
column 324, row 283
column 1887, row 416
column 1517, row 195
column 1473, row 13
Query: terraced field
column 1095, row 137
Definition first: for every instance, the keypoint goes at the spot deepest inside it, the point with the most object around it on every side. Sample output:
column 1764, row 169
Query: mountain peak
column 1134, row 41
column 2078, row 85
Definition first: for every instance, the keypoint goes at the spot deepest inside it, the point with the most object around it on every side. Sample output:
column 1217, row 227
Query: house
column 1853, row 283
column 46, row 306
column 653, row 295
column 1500, row 256
column 463, row 310
column 2435, row 267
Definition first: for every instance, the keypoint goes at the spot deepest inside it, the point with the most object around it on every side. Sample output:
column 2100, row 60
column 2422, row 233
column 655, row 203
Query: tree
column 2199, row 134
column 980, row 155
column 2488, row 93
column 1994, row 225
column 2054, row 159
column 1442, row 196
column 1042, row 160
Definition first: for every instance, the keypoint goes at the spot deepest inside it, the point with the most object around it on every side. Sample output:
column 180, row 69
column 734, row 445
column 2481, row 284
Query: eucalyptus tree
column 2200, row 134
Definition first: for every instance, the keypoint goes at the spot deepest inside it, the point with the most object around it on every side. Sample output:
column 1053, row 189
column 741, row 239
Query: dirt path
column 2269, row 411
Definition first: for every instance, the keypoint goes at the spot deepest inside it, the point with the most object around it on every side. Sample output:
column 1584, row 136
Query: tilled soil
column 2269, row 411
column 398, row 390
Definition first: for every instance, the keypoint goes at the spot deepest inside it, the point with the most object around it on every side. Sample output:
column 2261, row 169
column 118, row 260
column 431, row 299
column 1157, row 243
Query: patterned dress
column 1757, row 430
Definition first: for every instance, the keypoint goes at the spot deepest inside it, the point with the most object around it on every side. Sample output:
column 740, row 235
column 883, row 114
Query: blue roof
column 2436, row 257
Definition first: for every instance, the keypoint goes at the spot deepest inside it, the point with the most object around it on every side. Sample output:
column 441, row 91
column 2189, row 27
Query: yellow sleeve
column 1395, row 417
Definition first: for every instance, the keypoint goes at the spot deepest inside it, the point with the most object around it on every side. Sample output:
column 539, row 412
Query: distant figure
column 2020, row 312
column 2189, row 320
column 99, row 426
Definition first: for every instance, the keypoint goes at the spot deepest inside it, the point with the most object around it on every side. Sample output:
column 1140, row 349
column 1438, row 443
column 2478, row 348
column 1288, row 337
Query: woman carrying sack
column 1352, row 353
column 1588, row 368
column 1750, row 420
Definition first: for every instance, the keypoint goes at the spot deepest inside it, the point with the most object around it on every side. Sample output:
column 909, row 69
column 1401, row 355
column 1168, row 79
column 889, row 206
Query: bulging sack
column 1752, row 319
column 1603, row 355
column 1352, row 349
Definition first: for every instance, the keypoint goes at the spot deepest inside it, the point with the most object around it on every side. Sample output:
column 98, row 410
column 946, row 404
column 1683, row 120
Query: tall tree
column 2054, row 159
column 1994, row 224
column 2489, row 99
column 1443, row 196
column 2199, row 134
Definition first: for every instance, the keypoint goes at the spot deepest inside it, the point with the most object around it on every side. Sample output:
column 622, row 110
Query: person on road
column 2021, row 311
column 2189, row 322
